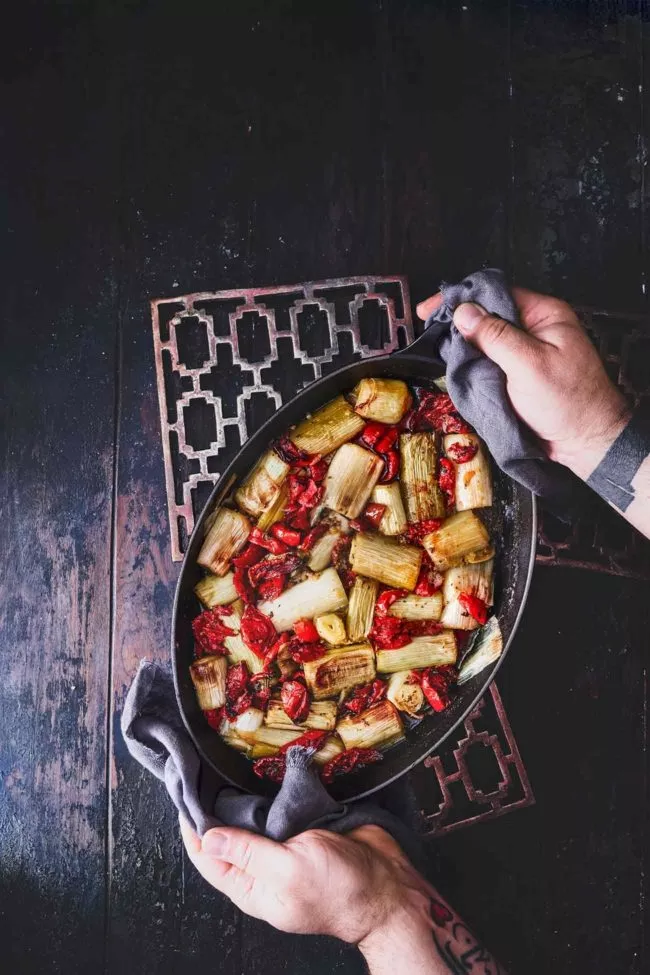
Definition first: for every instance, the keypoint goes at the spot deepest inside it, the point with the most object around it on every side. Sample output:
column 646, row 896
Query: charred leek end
column 271, row 737
column 387, row 561
column 340, row 671
column 487, row 649
column 379, row 726
column 405, row 693
column 351, row 476
column 418, row 607
column 394, row 520
column 248, row 721
column 275, row 510
column 316, row 596
column 418, row 460
column 321, row 717
column 232, row 739
column 260, row 489
column 333, row 746
column 476, row 580
column 361, row 608
column 225, row 537
column 328, row 428
column 423, row 651
column 238, row 652
column 331, row 629
column 473, row 481
column 461, row 538
column 321, row 554
column 209, row 678
column 216, row 590
column 382, row 400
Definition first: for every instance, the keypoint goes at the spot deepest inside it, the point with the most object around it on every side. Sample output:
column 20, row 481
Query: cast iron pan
column 512, row 521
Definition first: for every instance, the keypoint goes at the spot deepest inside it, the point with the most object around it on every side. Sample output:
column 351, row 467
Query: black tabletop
column 155, row 148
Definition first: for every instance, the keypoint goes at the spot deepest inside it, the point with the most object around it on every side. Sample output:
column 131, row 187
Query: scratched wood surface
column 151, row 149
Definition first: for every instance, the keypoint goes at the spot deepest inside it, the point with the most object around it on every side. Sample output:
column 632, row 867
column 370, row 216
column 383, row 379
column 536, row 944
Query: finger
column 257, row 856
column 211, row 869
column 497, row 339
column 426, row 308
column 538, row 311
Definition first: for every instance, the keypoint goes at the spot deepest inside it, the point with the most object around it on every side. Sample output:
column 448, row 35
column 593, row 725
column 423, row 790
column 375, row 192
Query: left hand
column 315, row 883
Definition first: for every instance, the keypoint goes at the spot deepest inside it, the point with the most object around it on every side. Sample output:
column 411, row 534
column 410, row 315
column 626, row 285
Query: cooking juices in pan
column 344, row 580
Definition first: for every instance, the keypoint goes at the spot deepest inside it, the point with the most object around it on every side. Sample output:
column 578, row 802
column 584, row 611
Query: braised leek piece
column 351, row 476
column 361, row 607
column 320, row 594
column 274, row 737
column 248, row 721
column 332, row 747
column 232, row 739
column 385, row 560
column 321, row 553
column 405, row 693
column 475, row 580
column 487, row 648
column 209, row 678
column 393, row 520
column 423, row 651
column 321, row 717
column 331, row 629
column 275, row 510
column 381, row 400
column 423, row 498
column 473, row 481
column 340, row 671
column 379, row 726
column 418, row 607
column 216, row 590
column 261, row 488
column 238, row 652
column 334, row 424
column 225, row 537
column 461, row 538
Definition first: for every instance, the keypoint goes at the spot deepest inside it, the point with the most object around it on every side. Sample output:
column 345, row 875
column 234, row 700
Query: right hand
column 556, row 381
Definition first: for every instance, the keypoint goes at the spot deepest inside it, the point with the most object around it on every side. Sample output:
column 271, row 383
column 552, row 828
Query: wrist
column 402, row 943
column 583, row 455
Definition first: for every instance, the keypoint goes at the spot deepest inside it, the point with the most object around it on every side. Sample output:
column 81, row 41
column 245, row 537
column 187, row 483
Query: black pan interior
column 512, row 523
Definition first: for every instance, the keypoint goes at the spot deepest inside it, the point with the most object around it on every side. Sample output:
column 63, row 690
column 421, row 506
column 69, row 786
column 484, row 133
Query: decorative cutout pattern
column 252, row 339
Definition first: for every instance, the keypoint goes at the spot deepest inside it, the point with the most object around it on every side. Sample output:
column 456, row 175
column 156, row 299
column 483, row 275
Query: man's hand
column 555, row 379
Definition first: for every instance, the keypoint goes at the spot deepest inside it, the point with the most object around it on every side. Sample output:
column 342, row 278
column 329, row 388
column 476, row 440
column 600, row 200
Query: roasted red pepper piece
column 389, row 633
column 419, row 529
column 454, row 423
column 423, row 628
column 447, row 481
column 391, row 466
column 242, row 585
column 272, row 768
column 347, row 761
column 273, row 651
column 388, row 441
column 429, row 580
column 272, row 588
column 272, row 565
column 295, row 700
column 306, row 631
column 302, row 652
column 290, row 536
column 364, row 697
column 260, row 688
column 341, row 561
column 372, row 433
column 474, row 606
column 239, row 696
column 318, row 469
column 249, row 556
column 461, row 453
column 209, row 630
column 214, row 717
column 312, row 537
column 299, row 519
column 290, row 454
column 309, row 739
column 435, row 688
column 303, row 492
column 257, row 631
column 386, row 600
column 374, row 513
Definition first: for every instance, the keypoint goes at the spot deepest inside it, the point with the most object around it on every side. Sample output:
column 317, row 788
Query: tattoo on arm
column 458, row 947
column 613, row 477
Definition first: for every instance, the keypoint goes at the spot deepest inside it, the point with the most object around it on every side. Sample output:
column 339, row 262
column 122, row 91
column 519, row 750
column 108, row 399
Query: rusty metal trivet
column 600, row 539
column 216, row 353
column 479, row 778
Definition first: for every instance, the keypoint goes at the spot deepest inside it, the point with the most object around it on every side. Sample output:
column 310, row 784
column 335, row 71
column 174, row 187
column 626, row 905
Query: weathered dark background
column 155, row 146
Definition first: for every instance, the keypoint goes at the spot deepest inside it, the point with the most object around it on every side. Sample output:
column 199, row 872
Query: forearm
column 441, row 944
column 618, row 468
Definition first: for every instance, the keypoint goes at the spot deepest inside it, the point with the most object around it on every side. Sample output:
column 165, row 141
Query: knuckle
column 495, row 329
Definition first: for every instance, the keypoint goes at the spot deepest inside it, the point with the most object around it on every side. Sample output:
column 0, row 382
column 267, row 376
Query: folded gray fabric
column 477, row 387
column 157, row 738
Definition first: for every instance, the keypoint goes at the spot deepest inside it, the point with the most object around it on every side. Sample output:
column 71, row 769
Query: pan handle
column 425, row 346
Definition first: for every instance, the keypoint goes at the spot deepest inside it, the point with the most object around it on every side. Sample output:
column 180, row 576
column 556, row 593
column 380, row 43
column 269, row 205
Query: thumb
column 255, row 855
column 496, row 338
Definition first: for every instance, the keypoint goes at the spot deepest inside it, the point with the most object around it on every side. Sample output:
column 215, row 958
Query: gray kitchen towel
column 477, row 387
column 156, row 737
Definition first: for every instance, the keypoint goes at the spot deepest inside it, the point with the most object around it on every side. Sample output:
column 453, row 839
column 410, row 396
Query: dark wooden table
column 154, row 147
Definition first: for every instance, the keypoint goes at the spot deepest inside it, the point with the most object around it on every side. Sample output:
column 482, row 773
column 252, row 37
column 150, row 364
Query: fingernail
column 214, row 843
column 467, row 317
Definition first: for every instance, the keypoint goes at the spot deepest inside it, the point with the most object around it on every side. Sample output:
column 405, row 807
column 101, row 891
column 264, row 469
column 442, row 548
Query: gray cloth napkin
column 477, row 387
column 157, row 738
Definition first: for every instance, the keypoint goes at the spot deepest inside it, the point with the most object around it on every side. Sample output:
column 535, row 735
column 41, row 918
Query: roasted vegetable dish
column 344, row 578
